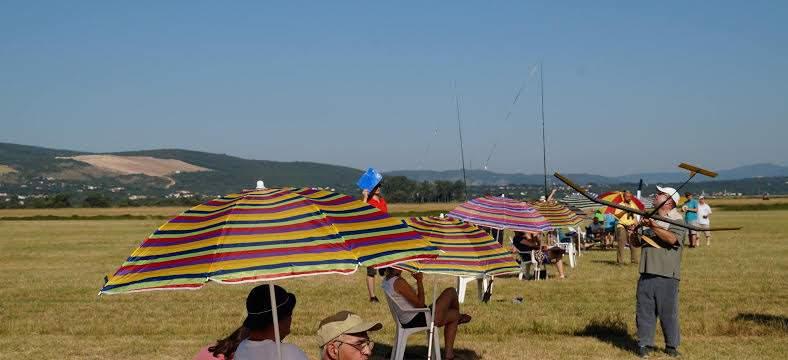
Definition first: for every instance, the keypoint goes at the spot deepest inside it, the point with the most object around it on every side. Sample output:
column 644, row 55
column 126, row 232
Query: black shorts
column 371, row 271
column 419, row 321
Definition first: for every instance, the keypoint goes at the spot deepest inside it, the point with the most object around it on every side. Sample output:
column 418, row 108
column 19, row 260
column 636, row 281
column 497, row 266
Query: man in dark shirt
column 660, row 267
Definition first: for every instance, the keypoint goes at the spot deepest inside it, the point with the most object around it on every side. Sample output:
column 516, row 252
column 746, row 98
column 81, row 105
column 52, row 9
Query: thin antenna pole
column 544, row 145
column 462, row 152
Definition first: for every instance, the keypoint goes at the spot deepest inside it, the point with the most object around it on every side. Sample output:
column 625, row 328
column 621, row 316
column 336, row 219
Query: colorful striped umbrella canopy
column 618, row 198
column 466, row 250
column 577, row 210
column 557, row 214
column 501, row 213
column 580, row 202
column 265, row 235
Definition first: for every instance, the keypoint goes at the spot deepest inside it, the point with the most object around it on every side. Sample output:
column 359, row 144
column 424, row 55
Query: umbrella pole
column 274, row 312
column 432, row 320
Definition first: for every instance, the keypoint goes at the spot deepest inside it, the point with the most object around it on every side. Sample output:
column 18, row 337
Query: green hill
column 35, row 166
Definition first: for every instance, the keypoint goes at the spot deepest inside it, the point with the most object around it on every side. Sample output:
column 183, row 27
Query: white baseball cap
column 670, row 192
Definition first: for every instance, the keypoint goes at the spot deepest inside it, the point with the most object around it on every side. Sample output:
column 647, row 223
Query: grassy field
column 734, row 298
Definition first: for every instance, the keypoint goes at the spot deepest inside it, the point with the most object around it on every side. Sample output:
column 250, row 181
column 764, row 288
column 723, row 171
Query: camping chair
column 527, row 258
column 402, row 334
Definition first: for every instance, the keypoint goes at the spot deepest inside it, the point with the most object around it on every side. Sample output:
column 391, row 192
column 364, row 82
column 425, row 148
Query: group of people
column 611, row 227
column 697, row 212
column 343, row 335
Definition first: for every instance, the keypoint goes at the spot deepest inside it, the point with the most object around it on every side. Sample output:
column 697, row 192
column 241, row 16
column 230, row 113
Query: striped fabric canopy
column 557, row 214
column 618, row 198
column 579, row 201
column 265, row 235
column 501, row 213
column 466, row 249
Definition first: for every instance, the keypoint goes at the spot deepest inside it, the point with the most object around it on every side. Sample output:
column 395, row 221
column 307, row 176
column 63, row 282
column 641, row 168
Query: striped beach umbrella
column 557, row 214
column 466, row 250
column 264, row 235
column 501, row 213
column 579, row 201
column 618, row 198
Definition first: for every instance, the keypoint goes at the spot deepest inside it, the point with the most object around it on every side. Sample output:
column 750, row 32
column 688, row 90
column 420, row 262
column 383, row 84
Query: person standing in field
column 375, row 198
column 625, row 219
column 657, row 292
column 704, row 211
column 690, row 209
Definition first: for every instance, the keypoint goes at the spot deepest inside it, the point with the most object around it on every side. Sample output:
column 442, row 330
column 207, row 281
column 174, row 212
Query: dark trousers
column 621, row 238
column 657, row 297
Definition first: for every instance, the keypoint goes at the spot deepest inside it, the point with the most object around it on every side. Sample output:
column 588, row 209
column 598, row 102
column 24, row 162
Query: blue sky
column 629, row 86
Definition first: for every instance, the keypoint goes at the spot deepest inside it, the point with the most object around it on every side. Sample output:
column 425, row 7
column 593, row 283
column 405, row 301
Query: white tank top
column 401, row 301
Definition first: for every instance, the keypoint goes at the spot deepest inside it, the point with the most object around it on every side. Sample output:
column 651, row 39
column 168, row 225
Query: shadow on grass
column 383, row 351
column 607, row 262
column 611, row 331
column 776, row 322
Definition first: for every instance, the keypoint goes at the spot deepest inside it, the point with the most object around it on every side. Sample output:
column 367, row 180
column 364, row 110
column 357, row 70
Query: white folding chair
column 402, row 334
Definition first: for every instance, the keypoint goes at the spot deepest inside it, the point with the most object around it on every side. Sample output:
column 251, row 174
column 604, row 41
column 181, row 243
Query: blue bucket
column 369, row 179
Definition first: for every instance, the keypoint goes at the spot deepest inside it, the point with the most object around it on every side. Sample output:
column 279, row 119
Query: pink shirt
column 204, row 354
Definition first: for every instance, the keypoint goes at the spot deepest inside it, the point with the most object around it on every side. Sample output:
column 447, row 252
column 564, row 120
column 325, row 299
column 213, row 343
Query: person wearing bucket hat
column 657, row 291
column 343, row 336
column 260, row 321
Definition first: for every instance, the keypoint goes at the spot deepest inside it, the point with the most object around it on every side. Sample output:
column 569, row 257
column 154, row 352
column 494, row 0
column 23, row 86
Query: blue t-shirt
column 610, row 221
column 691, row 215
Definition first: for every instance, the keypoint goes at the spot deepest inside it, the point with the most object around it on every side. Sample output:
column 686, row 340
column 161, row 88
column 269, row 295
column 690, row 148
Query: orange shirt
column 379, row 203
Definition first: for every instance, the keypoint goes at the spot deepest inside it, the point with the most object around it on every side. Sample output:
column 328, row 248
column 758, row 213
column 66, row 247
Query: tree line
column 403, row 190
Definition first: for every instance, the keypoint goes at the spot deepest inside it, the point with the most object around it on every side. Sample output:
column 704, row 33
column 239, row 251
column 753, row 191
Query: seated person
column 224, row 348
column 527, row 242
column 596, row 230
column 344, row 336
column 260, row 344
column 445, row 314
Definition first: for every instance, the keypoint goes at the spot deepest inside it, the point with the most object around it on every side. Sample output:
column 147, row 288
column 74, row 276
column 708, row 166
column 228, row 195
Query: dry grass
column 748, row 201
column 68, row 212
column 733, row 300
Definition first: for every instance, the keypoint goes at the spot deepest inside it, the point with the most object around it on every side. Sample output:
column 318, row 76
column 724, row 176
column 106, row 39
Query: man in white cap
column 343, row 336
column 660, row 266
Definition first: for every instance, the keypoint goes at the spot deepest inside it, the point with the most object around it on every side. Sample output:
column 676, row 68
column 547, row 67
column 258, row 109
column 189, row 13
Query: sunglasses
column 363, row 346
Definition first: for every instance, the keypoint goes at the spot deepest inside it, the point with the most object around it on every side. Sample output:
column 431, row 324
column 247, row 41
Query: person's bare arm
column 665, row 235
column 552, row 193
column 415, row 298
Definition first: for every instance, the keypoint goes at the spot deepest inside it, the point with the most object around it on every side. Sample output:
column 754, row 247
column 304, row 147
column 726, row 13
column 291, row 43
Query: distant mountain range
column 32, row 169
column 482, row 177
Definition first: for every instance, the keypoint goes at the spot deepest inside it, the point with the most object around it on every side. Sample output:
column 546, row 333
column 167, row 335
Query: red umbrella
column 618, row 198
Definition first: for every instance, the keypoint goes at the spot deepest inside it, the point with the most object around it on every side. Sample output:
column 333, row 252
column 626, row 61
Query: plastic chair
column 567, row 245
column 402, row 334
column 527, row 258
column 462, row 286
